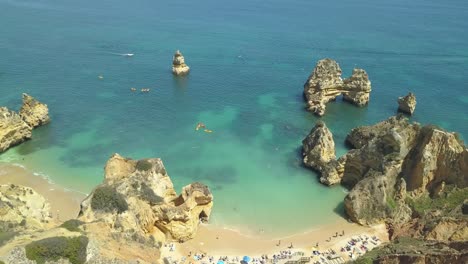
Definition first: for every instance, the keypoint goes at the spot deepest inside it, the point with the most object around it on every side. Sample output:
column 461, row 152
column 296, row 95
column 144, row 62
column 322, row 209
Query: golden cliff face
column 325, row 84
column 139, row 196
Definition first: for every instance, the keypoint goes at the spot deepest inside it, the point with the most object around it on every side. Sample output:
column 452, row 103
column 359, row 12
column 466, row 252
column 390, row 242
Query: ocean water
column 249, row 60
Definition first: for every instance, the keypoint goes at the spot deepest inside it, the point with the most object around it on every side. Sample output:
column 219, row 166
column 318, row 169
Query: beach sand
column 210, row 240
column 64, row 204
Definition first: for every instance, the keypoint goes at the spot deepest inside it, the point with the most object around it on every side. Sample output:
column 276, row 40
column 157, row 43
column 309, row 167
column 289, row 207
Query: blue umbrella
column 220, row 262
column 246, row 259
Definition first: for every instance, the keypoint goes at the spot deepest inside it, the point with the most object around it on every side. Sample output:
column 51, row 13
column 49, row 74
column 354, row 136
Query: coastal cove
column 245, row 84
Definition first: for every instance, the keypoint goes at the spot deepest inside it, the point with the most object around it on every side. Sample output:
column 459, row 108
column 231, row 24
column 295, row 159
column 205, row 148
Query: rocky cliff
column 33, row 112
column 178, row 64
column 325, row 84
column 22, row 208
column 13, row 130
column 138, row 196
column 318, row 150
column 407, row 104
column 357, row 87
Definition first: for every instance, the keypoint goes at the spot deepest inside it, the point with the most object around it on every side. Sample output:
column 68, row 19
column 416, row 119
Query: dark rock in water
column 407, row 104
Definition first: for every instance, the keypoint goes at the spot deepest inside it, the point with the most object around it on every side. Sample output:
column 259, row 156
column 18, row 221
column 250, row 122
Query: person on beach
column 279, row 243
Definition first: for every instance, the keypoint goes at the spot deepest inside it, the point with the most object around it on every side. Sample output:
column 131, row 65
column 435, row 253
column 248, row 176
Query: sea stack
column 178, row 64
column 407, row 104
column 325, row 84
column 358, row 88
column 33, row 112
column 318, row 150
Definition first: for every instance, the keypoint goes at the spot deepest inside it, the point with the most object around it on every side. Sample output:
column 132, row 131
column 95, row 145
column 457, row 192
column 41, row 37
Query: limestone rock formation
column 13, row 130
column 33, row 112
column 178, row 64
column 393, row 158
column 325, row 84
column 21, row 208
column 357, row 87
column 407, row 104
column 437, row 157
column 138, row 196
column 318, row 150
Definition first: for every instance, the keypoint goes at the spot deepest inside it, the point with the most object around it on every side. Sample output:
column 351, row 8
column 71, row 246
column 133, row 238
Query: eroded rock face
column 358, row 88
column 325, row 84
column 143, row 200
column 407, row 104
column 395, row 157
column 437, row 157
column 13, row 130
column 178, row 64
column 33, row 112
column 22, row 208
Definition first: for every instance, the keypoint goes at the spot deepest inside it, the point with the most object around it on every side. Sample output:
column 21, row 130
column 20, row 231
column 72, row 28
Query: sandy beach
column 64, row 204
column 210, row 240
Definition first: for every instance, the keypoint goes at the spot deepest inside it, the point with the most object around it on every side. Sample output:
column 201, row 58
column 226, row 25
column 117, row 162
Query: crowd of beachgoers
column 340, row 252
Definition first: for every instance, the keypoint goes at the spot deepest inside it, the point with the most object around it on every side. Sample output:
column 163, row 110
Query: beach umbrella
column 246, row 259
column 220, row 262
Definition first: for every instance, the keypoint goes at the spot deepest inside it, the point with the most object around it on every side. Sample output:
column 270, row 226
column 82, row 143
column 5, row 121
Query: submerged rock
column 33, row 112
column 325, row 84
column 138, row 196
column 178, row 64
column 357, row 87
column 13, row 130
column 407, row 104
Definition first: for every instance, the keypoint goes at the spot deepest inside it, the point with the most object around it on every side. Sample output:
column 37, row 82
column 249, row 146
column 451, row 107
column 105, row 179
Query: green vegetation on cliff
column 72, row 225
column 446, row 202
column 55, row 248
column 106, row 198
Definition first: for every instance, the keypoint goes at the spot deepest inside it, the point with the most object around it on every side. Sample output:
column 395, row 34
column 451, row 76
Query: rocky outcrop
column 22, row 208
column 437, row 158
column 13, row 130
column 407, row 104
column 405, row 251
column 33, row 112
column 325, row 84
column 395, row 157
column 178, row 64
column 318, row 150
column 138, row 196
column 357, row 87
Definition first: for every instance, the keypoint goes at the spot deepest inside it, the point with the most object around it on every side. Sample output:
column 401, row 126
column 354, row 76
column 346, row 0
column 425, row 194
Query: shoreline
column 210, row 239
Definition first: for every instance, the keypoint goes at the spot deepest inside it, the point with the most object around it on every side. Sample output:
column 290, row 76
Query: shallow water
column 249, row 60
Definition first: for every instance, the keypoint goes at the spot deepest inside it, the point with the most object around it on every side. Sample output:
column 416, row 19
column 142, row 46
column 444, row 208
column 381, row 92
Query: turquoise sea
column 249, row 60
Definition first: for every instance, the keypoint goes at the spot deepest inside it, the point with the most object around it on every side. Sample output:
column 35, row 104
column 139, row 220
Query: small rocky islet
column 411, row 177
